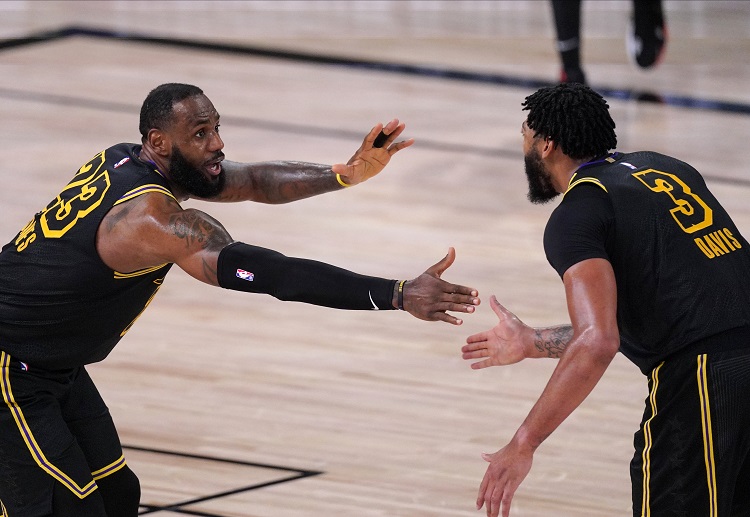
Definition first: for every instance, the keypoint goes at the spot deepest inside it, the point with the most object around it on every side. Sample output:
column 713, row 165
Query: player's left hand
column 369, row 160
column 428, row 297
column 507, row 469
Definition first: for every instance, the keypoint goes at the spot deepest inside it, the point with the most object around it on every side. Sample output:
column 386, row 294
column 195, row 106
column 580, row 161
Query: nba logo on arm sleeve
column 245, row 275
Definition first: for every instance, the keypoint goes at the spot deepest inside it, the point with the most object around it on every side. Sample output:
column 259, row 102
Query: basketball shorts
column 54, row 429
column 692, row 451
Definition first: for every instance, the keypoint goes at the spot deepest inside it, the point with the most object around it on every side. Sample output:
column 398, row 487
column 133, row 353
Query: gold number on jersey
column 77, row 200
column 690, row 211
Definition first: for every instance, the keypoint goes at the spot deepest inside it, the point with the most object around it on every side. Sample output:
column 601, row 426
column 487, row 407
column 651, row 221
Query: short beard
column 541, row 189
column 193, row 180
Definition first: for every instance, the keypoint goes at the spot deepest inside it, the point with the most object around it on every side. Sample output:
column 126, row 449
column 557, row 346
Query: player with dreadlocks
column 653, row 266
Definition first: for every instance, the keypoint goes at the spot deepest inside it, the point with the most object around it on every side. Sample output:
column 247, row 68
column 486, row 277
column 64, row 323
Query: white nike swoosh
column 374, row 307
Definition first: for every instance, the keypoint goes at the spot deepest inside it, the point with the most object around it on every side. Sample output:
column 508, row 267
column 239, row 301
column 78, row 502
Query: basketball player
column 646, row 37
column 654, row 267
column 73, row 281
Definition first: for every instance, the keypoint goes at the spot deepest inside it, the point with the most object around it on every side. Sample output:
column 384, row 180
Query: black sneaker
column 647, row 34
column 572, row 75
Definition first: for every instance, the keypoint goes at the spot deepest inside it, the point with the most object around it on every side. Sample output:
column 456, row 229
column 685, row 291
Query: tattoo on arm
column 199, row 230
column 210, row 273
column 278, row 182
column 553, row 341
column 117, row 214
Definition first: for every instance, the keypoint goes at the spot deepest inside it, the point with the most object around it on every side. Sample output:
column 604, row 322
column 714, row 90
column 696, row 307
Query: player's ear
column 549, row 147
column 160, row 142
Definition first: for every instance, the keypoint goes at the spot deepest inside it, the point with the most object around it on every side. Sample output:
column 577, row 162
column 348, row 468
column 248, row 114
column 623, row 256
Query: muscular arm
column 592, row 303
column 276, row 182
column 284, row 181
column 153, row 229
column 591, row 293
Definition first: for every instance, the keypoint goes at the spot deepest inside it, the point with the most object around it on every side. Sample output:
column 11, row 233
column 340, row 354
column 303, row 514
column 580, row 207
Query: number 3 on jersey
column 690, row 211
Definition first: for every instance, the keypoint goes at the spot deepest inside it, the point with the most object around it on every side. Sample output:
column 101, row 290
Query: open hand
column 427, row 297
column 368, row 160
column 502, row 344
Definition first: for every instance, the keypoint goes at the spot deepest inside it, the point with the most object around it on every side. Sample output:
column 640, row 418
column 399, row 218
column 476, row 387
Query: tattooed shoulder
column 198, row 229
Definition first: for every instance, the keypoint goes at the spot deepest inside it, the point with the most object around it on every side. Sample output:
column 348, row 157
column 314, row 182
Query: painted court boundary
column 380, row 66
column 279, row 474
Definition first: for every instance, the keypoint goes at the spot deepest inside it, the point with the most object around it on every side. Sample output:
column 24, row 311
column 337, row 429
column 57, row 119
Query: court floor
column 236, row 405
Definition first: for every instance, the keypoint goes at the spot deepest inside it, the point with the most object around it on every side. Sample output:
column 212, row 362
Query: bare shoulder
column 128, row 235
column 153, row 229
column 145, row 213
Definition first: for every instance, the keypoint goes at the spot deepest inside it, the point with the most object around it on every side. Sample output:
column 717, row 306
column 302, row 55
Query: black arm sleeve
column 242, row 267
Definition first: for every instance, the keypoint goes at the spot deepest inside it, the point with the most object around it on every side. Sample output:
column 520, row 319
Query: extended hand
column 369, row 160
column 427, row 297
column 501, row 345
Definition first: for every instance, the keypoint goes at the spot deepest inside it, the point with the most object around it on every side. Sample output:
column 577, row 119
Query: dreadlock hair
column 156, row 111
column 575, row 117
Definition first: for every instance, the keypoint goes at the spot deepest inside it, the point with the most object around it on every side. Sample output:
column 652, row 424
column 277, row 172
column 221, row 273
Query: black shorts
column 54, row 428
column 692, row 452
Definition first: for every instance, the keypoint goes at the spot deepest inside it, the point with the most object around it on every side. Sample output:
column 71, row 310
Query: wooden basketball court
column 236, row 405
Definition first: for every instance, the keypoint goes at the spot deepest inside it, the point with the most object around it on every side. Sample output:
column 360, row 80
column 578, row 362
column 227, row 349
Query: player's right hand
column 428, row 297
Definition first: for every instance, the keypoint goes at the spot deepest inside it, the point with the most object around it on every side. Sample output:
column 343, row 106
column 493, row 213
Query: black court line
column 306, row 129
column 254, row 123
column 178, row 507
column 380, row 66
column 297, row 129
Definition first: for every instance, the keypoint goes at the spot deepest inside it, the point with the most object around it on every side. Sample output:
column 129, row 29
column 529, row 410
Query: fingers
column 453, row 296
column 475, row 350
column 372, row 135
column 483, row 486
column 487, row 363
column 393, row 130
column 439, row 312
column 437, row 269
column 477, row 353
column 442, row 307
column 444, row 316
column 391, row 127
column 499, row 309
column 457, row 293
column 492, row 492
column 393, row 149
column 476, row 341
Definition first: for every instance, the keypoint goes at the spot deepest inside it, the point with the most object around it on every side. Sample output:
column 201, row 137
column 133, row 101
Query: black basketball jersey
column 60, row 305
column 681, row 265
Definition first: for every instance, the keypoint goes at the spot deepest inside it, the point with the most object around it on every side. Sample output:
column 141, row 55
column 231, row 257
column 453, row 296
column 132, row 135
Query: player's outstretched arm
column 278, row 182
column 243, row 267
column 153, row 229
